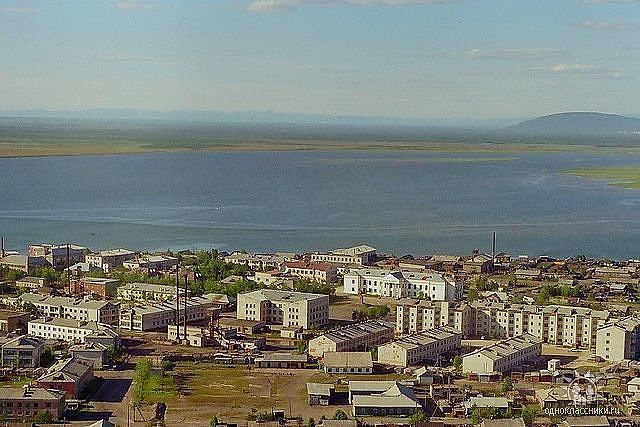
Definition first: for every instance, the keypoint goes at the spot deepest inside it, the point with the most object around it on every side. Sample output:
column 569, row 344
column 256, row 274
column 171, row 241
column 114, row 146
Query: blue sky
column 432, row 59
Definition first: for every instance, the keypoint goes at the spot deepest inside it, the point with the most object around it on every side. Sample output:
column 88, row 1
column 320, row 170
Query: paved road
column 112, row 399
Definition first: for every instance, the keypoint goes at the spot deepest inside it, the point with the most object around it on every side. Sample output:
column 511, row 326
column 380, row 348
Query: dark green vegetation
column 371, row 312
column 151, row 386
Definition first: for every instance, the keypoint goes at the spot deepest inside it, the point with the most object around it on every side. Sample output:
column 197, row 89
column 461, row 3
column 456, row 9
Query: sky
column 424, row 59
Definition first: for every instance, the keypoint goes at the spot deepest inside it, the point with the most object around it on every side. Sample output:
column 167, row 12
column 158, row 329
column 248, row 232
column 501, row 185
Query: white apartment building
column 151, row 262
column 573, row 327
column 619, row 339
column 414, row 316
column 73, row 308
column 422, row 347
column 356, row 255
column 150, row 291
column 285, row 308
column 70, row 330
column 260, row 261
column 358, row 337
column 318, row 271
column 152, row 316
column 108, row 259
column 502, row 356
column 402, row 284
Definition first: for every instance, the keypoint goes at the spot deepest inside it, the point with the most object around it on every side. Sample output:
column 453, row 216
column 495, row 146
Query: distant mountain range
column 578, row 123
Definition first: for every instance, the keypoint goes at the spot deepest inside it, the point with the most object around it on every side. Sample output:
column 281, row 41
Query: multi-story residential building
column 151, row 263
column 21, row 351
column 150, row 291
column 355, row 256
column 357, row 337
column 414, row 316
column 69, row 330
column 31, row 283
column 24, row 403
column 260, row 261
column 59, row 256
column 13, row 320
column 554, row 324
column 73, row 308
column 109, row 259
column 425, row 346
column 619, row 339
column 402, row 284
column 152, row 316
column 502, row 356
column 69, row 375
column 274, row 279
column 96, row 286
column 319, row 271
column 285, row 308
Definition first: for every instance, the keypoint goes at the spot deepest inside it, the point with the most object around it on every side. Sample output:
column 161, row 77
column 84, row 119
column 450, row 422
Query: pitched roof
column 347, row 359
column 64, row 371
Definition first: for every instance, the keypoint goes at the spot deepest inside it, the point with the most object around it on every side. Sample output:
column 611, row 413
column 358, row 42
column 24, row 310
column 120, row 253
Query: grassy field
column 622, row 176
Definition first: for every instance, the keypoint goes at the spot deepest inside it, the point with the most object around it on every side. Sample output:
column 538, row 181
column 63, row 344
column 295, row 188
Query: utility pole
column 186, row 338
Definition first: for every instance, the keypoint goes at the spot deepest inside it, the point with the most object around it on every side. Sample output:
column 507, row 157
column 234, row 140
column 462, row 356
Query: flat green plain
column 619, row 176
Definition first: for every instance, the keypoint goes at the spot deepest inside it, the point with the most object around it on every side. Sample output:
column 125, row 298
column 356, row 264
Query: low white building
column 356, row 255
column 424, row 346
column 347, row 362
column 69, row 330
column 502, row 356
column 358, row 337
column 109, row 259
column 402, row 284
column 150, row 291
column 73, row 308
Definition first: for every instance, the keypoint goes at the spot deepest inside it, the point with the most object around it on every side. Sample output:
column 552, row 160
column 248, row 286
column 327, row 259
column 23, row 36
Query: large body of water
column 400, row 202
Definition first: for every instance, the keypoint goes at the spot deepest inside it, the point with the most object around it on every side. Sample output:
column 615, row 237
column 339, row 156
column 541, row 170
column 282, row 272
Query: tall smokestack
column 185, row 309
column 178, row 302
column 493, row 248
column 2, row 247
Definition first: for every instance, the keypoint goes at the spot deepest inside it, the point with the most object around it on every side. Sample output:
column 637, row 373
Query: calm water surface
column 399, row 201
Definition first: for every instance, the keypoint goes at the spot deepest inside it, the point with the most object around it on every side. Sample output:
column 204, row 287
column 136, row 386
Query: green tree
column 506, row 385
column 301, row 346
column 476, row 416
column 213, row 422
column 472, row 295
column 311, row 422
column 43, row 418
column 457, row 363
column 417, row 417
column 340, row 415
column 529, row 414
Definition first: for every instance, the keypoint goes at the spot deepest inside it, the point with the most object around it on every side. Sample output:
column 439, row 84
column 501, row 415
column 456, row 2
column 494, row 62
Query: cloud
column 585, row 70
column 132, row 5
column 520, row 54
column 609, row 26
column 21, row 10
column 279, row 5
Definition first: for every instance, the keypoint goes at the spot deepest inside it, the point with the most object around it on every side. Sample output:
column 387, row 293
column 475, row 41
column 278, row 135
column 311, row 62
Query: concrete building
column 197, row 336
column 347, row 362
column 31, row 283
column 151, row 263
column 477, row 264
column 23, row 262
column 426, row 346
column 155, row 316
column 282, row 360
column 320, row 394
column 150, row 291
column 93, row 286
column 318, row 271
column 573, row 327
column 356, row 255
column 95, row 353
column 619, row 339
column 260, row 261
column 382, row 398
column 21, row 351
column 25, row 403
column 73, row 308
column 13, row 320
column 414, row 316
column 285, row 308
column 69, row 330
column 402, row 284
column 69, row 375
column 502, row 356
column 107, row 260
column 274, row 279
column 59, row 256
column 358, row 337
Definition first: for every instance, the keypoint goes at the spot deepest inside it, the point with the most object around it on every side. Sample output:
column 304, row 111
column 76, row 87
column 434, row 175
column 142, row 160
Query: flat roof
column 281, row 296
column 347, row 359
column 358, row 330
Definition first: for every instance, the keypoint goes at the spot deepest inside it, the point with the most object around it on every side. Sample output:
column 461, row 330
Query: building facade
column 426, row 346
column 358, row 337
column 73, row 308
column 275, row 307
column 619, row 339
column 356, row 255
column 150, row 291
column 503, row 356
column 69, row 330
column 414, row 316
column 25, row 403
column 318, row 271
